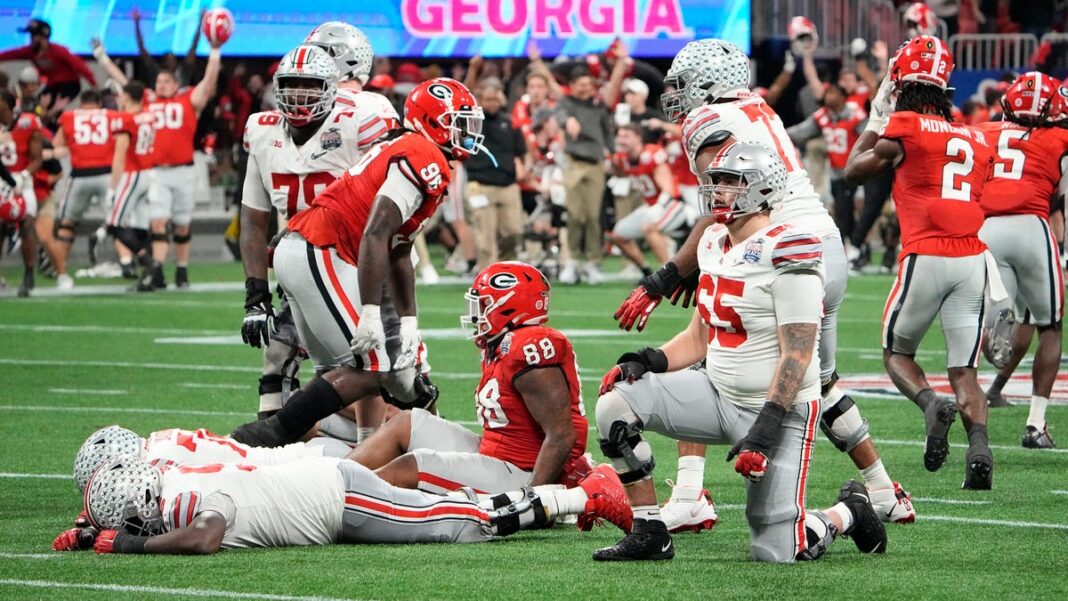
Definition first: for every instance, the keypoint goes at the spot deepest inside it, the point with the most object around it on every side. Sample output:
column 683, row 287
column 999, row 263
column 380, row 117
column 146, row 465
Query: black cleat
column 181, row 278
column 995, row 400
column 262, row 433
column 938, row 417
column 1033, row 438
column 979, row 469
column 129, row 272
column 648, row 540
column 28, row 284
column 867, row 531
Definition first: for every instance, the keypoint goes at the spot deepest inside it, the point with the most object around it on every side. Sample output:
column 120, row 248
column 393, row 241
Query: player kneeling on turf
column 529, row 402
column 756, row 325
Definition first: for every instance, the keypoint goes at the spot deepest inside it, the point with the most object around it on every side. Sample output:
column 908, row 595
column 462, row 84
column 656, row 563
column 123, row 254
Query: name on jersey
column 941, row 126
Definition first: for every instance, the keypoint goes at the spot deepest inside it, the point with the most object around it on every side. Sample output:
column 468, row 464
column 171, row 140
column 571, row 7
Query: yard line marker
column 157, row 590
column 127, row 364
column 1000, row 447
column 109, row 391
column 4, row 555
column 96, row 329
column 177, row 411
column 950, row 501
column 35, row 476
column 221, row 386
column 1059, row 492
column 986, row 522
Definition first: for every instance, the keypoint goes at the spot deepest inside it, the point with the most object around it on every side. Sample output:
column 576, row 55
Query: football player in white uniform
column 134, row 507
column 709, row 93
column 759, row 305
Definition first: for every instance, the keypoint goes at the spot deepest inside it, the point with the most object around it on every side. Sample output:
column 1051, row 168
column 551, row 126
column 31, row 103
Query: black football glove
column 630, row 367
column 259, row 314
column 754, row 450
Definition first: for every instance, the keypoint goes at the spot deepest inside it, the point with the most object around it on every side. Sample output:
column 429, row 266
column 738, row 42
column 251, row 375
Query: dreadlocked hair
column 1041, row 120
column 922, row 98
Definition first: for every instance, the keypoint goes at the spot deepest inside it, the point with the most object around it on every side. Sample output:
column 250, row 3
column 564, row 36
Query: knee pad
column 622, row 443
column 819, row 534
column 843, row 425
column 826, row 387
column 270, row 395
column 159, row 237
column 62, row 227
column 183, row 238
column 508, row 515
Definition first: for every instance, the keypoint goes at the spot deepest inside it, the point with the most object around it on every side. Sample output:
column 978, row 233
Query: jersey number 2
column 724, row 323
column 959, row 149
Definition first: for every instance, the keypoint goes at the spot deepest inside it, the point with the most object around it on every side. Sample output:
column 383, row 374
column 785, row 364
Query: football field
column 71, row 364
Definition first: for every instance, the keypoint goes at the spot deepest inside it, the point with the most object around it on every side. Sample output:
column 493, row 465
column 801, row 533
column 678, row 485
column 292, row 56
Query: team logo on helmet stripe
column 503, row 281
column 440, row 90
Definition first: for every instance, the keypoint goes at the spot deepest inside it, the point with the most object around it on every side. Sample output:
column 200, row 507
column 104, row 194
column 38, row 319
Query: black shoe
column 867, row 531
column 27, row 284
column 128, row 271
column 978, row 469
column 649, row 540
column 938, row 417
column 157, row 280
column 1033, row 438
column 262, row 433
column 995, row 400
column 181, row 278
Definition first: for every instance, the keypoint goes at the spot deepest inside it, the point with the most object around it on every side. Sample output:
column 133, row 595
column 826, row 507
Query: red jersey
column 840, row 131
column 176, row 127
column 141, row 127
column 641, row 171
column 338, row 215
column 16, row 153
column 680, row 165
column 938, row 183
column 509, row 432
column 1028, row 166
column 88, row 135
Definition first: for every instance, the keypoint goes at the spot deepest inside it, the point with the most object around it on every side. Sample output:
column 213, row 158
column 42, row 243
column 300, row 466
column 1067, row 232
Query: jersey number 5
column 724, row 323
column 1010, row 161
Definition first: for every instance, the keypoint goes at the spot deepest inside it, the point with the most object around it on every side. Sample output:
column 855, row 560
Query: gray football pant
column 837, row 274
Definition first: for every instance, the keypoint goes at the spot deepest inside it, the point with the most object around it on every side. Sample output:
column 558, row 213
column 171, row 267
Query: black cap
column 37, row 27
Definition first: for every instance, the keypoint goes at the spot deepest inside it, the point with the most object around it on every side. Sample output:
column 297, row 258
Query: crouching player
column 759, row 304
column 529, row 401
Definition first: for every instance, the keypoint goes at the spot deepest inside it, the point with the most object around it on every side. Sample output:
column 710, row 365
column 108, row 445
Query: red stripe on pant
column 120, row 199
column 806, row 458
column 328, row 263
column 444, row 508
column 443, row 483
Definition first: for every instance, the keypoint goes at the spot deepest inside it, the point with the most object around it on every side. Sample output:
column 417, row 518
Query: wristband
column 215, row 53
column 129, row 543
column 257, row 291
column 371, row 312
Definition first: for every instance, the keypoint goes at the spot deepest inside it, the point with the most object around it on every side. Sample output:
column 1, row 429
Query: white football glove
column 410, row 341
column 789, row 64
column 882, row 105
column 370, row 335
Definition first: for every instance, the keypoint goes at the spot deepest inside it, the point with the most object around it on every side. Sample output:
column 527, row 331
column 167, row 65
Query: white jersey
column 200, row 447
column 750, row 119
column 734, row 299
column 299, row 503
column 288, row 176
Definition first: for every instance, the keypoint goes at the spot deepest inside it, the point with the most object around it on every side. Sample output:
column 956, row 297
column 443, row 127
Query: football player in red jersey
column 940, row 169
column 127, row 219
column 529, row 401
column 356, row 235
column 20, row 155
column 1029, row 171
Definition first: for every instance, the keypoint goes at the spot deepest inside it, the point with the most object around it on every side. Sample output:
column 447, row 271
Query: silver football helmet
column 746, row 178
column 102, row 445
column 347, row 46
column 305, row 85
column 123, row 494
column 703, row 71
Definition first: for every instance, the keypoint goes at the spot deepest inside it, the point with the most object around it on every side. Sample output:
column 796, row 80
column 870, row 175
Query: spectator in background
column 949, row 12
column 492, row 191
column 383, row 84
column 636, row 110
column 61, row 70
column 183, row 71
column 588, row 135
column 541, row 92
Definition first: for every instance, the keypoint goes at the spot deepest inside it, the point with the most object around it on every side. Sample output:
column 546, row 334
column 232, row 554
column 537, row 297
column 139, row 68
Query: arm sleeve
column 16, row 53
column 798, row 297
column 804, row 131
column 400, row 187
column 252, row 193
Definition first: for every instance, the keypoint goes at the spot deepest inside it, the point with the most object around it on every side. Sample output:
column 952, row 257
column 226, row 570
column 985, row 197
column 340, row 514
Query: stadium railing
column 838, row 21
column 987, row 51
column 1059, row 53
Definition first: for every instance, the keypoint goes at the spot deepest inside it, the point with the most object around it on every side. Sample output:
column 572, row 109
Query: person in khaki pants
column 492, row 193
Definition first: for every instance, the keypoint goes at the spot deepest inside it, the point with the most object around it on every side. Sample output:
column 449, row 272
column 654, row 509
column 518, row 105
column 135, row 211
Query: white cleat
column 689, row 516
column 593, row 275
column 893, row 504
column 569, row 274
column 429, row 275
column 64, row 282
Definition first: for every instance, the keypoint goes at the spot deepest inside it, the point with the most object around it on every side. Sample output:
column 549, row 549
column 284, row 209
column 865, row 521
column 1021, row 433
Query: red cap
column 382, row 81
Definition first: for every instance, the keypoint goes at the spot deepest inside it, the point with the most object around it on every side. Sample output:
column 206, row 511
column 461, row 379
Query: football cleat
column 605, row 500
column 181, row 278
column 978, row 469
column 995, row 400
column 648, row 541
column 262, row 433
column 1033, row 438
column 938, row 417
column 893, row 504
column 128, row 271
column 867, row 531
column 689, row 516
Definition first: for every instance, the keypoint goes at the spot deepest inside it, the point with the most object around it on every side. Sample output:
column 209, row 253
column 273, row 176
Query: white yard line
column 219, row 386
column 950, row 501
column 1059, row 492
column 30, row 555
column 95, row 329
column 157, row 590
column 985, row 522
column 104, row 391
column 127, row 364
column 35, row 476
column 999, row 447
column 150, row 410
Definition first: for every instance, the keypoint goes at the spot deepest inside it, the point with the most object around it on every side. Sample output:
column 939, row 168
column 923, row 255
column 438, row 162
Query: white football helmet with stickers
column 704, row 70
column 123, row 494
column 104, row 444
column 347, row 46
column 746, row 178
column 298, row 101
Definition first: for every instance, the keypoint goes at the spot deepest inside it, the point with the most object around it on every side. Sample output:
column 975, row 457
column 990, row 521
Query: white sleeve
column 222, row 504
column 798, row 297
column 1062, row 188
column 253, row 195
column 402, row 191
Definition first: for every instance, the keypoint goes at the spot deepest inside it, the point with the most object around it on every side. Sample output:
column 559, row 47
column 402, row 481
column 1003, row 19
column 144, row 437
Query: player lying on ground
column 133, row 507
column 529, row 401
column 756, row 326
column 711, row 98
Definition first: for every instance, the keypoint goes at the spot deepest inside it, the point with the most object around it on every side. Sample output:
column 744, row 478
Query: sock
column 1037, row 416
column 925, row 397
column 690, row 478
column 182, row 266
column 363, row 434
column 560, row 503
column 842, row 512
column 875, row 476
column 124, row 261
column 471, row 264
column 977, row 436
column 309, row 405
column 647, row 512
column 997, row 384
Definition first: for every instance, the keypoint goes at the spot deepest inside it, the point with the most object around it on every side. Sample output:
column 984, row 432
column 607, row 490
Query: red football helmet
column 1031, row 96
column 218, row 25
column 920, row 20
column 503, row 296
column 12, row 208
column 445, row 111
column 924, row 59
column 1058, row 111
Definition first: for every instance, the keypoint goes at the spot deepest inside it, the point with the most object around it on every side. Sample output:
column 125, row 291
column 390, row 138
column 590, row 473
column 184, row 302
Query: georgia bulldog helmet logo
column 441, row 91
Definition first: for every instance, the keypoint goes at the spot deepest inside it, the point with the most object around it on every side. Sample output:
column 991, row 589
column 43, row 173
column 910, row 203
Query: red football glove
column 630, row 367
column 752, row 465
column 82, row 521
column 105, row 541
column 608, row 382
column 75, row 539
column 752, row 451
column 636, row 309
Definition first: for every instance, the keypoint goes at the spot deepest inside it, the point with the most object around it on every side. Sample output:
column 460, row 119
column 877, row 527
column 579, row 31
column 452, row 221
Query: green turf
column 928, row 560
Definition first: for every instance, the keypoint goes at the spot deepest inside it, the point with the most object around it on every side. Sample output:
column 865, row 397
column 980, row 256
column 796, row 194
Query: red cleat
column 606, row 500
